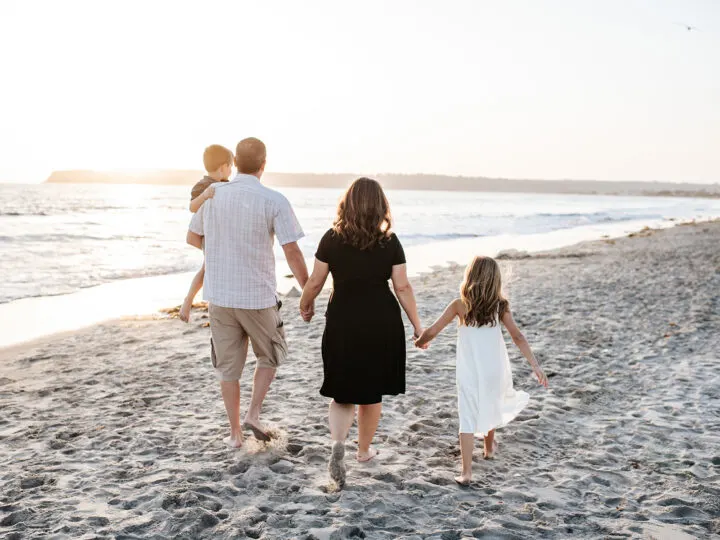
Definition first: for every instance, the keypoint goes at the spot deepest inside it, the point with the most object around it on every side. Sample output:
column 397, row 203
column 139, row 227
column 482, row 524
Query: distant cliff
column 422, row 182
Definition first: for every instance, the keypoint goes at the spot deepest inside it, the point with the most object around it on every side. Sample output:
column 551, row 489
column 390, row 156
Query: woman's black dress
column 363, row 346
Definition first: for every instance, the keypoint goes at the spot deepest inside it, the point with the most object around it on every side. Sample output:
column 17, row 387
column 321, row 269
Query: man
column 238, row 227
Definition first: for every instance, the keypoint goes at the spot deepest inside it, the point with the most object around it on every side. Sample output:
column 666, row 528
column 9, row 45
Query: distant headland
column 423, row 182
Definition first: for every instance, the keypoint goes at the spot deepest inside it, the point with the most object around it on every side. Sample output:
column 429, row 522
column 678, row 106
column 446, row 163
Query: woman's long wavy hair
column 481, row 293
column 363, row 215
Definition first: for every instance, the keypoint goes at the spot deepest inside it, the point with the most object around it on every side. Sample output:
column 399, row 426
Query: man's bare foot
column 235, row 441
column 463, row 480
column 491, row 453
column 364, row 457
column 260, row 433
column 184, row 314
column 336, row 466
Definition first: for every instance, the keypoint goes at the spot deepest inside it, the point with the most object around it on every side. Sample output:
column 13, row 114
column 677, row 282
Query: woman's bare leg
column 467, row 443
column 368, row 420
column 340, row 418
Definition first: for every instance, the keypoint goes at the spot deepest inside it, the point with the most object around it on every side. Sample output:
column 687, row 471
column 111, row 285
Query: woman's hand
column 307, row 312
column 422, row 339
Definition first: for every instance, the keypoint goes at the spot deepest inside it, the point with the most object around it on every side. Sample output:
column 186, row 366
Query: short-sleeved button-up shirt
column 240, row 224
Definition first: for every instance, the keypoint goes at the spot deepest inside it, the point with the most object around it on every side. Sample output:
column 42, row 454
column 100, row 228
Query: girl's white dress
column 486, row 397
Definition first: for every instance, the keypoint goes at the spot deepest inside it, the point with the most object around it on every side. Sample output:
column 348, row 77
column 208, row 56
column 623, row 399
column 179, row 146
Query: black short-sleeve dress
column 363, row 346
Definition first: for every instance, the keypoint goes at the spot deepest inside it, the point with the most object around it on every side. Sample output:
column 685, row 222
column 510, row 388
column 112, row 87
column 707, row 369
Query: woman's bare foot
column 463, row 480
column 491, row 453
column 364, row 457
column 184, row 314
column 336, row 467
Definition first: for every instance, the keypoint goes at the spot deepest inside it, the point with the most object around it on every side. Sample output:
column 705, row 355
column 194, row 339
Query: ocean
column 74, row 241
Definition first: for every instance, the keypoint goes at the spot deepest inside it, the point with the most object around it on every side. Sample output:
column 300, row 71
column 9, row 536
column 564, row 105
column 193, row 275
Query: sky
column 571, row 89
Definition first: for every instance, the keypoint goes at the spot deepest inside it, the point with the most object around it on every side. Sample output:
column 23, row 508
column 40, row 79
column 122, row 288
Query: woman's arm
column 522, row 344
column 452, row 311
column 312, row 288
column 198, row 201
column 406, row 296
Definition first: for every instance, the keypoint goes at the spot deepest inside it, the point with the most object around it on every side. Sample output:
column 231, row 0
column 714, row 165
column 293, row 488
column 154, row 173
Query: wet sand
column 116, row 431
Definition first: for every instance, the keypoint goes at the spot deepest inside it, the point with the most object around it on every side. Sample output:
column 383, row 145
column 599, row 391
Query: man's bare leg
column 230, row 391
column 261, row 384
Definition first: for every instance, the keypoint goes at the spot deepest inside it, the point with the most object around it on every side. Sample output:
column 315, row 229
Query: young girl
column 486, row 398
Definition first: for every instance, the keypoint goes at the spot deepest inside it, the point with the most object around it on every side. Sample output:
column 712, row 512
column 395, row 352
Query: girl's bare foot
column 336, row 467
column 184, row 314
column 463, row 480
column 491, row 453
column 364, row 457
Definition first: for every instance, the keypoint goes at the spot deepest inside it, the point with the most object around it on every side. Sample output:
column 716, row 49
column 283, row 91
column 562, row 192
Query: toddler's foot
column 463, row 480
column 184, row 314
column 364, row 457
column 336, row 467
column 491, row 453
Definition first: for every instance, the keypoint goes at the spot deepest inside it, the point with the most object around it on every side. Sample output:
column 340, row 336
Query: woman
column 363, row 346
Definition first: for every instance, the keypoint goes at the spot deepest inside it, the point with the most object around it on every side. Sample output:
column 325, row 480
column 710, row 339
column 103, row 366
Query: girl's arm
column 312, row 288
column 406, row 296
column 453, row 310
column 198, row 201
column 522, row 344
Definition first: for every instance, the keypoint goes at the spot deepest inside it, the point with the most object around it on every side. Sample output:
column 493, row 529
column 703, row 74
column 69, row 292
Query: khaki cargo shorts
column 233, row 328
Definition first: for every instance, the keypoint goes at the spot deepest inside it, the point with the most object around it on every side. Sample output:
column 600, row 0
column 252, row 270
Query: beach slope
column 116, row 430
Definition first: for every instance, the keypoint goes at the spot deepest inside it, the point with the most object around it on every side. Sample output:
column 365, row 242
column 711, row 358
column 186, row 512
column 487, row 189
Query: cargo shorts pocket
column 279, row 343
column 213, row 358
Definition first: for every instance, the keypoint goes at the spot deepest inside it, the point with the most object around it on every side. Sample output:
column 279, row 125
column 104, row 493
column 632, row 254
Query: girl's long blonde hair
column 481, row 293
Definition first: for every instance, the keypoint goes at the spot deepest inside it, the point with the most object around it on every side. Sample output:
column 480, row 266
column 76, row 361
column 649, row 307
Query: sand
column 116, row 431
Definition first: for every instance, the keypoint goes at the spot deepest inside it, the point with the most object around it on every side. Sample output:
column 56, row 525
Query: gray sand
column 116, row 431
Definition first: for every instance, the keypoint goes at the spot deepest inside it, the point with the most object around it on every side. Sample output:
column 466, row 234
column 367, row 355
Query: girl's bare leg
column 490, row 444
column 340, row 417
column 467, row 443
column 368, row 420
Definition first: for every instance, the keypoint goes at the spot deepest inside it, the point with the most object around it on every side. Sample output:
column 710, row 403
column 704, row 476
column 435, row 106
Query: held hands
column 307, row 312
column 421, row 339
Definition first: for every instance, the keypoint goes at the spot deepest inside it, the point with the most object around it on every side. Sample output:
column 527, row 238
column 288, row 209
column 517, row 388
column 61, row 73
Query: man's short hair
column 250, row 155
column 215, row 156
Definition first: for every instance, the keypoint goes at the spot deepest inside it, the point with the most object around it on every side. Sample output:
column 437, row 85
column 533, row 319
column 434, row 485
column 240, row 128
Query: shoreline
column 29, row 319
column 116, row 430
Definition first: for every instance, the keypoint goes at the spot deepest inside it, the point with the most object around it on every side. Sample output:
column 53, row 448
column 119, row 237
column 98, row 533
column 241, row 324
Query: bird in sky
column 688, row 27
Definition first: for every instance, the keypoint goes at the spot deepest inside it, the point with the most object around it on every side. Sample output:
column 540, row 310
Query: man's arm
column 295, row 260
column 194, row 239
